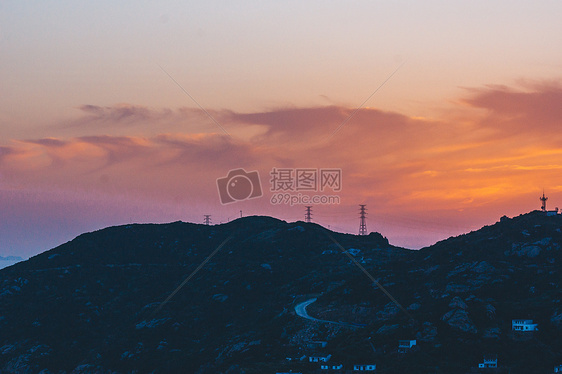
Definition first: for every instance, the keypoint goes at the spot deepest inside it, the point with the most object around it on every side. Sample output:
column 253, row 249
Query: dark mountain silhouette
column 9, row 260
column 94, row 304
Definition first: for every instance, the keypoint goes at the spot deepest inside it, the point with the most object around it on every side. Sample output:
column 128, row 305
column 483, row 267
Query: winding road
column 300, row 309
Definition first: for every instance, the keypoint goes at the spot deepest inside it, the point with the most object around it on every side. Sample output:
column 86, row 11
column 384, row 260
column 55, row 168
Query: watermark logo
column 288, row 185
column 291, row 199
column 239, row 185
column 291, row 186
column 311, row 180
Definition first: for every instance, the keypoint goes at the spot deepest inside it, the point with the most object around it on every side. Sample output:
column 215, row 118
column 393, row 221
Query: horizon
column 11, row 259
column 440, row 117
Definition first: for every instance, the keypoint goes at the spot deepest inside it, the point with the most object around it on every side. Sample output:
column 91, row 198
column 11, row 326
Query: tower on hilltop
column 308, row 214
column 543, row 199
column 362, row 221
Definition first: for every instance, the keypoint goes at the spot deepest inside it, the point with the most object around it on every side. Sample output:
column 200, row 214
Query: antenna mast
column 543, row 199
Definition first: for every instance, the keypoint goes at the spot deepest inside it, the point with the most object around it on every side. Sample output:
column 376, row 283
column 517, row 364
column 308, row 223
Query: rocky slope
column 93, row 305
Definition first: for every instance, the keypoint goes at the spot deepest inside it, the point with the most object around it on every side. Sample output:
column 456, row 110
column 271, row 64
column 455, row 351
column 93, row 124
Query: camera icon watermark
column 239, row 185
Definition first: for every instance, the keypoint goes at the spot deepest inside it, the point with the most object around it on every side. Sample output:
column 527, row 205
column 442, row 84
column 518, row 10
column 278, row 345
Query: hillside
column 93, row 305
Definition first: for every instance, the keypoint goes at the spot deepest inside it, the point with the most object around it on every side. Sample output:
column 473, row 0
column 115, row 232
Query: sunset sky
column 101, row 121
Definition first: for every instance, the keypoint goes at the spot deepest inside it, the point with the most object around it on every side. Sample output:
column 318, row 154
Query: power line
column 207, row 219
column 308, row 214
column 362, row 222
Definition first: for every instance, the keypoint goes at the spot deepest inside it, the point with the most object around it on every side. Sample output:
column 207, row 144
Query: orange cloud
column 537, row 112
column 394, row 163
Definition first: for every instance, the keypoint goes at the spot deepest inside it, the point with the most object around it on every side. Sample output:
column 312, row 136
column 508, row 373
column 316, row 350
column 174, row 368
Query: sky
column 439, row 116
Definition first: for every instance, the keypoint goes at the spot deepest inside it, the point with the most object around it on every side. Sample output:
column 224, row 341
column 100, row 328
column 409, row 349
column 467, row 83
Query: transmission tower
column 543, row 199
column 308, row 214
column 207, row 219
column 362, row 216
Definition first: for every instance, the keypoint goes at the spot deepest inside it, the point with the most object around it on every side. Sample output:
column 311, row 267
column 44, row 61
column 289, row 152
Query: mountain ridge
column 94, row 304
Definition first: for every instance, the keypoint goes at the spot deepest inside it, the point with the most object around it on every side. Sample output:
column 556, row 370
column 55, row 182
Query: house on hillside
column 332, row 368
column 552, row 212
column 319, row 358
column 490, row 361
column 558, row 369
column 372, row 367
column 316, row 344
column 523, row 325
column 405, row 345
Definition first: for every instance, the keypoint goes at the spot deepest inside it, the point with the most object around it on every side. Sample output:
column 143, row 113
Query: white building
column 405, row 345
column 558, row 369
column 552, row 212
column 364, row 367
column 331, row 367
column 523, row 325
column 490, row 361
column 316, row 344
column 319, row 358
